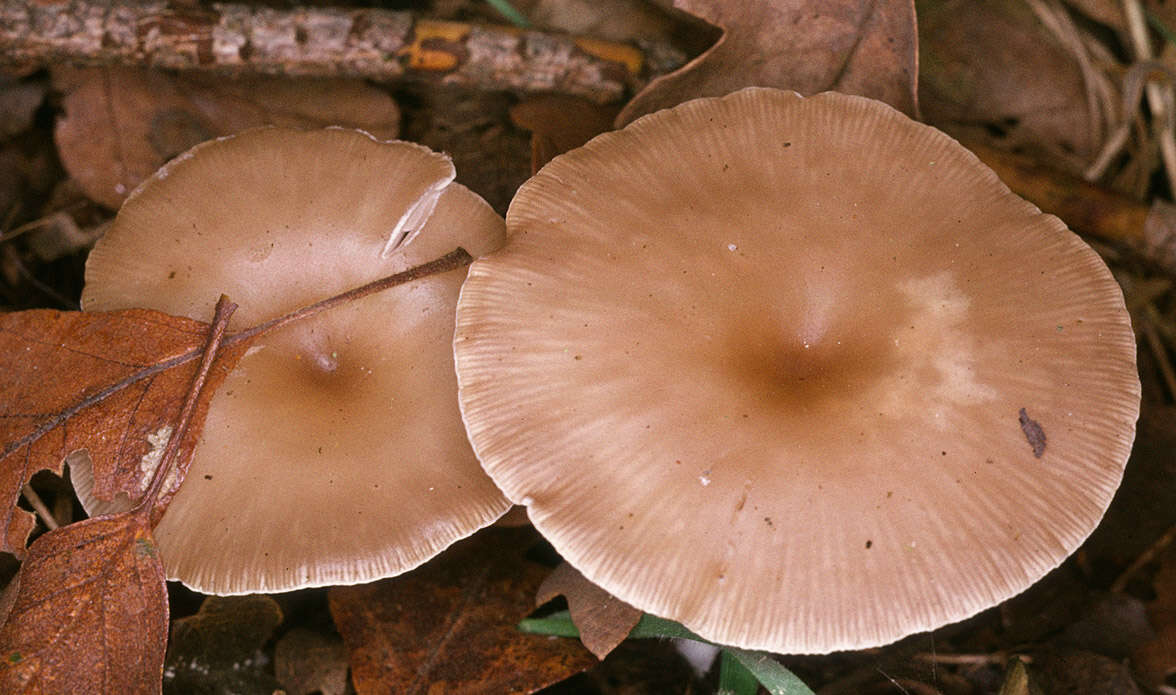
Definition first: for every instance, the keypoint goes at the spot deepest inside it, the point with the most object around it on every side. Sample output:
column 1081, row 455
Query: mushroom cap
column 778, row 368
column 334, row 453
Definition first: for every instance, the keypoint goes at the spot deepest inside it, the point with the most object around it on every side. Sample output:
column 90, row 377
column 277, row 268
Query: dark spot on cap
column 1033, row 433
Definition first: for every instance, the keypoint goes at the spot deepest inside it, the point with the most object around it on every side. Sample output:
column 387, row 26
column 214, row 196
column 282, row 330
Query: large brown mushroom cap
column 335, row 452
column 780, row 368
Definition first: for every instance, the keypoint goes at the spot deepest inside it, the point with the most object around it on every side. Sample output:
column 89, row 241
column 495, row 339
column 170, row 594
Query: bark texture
column 314, row 41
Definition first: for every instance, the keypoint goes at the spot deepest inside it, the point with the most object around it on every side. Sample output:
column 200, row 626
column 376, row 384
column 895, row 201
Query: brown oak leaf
column 992, row 72
column 866, row 47
column 559, row 123
column 121, row 124
column 88, row 611
column 449, row 626
column 109, row 384
column 604, row 621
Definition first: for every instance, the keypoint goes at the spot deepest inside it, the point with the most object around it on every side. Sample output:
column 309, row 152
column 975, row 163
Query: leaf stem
column 216, row 338
column 450, row 261
column 453, row 260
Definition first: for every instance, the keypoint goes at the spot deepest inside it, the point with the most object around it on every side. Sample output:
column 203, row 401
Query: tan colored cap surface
column 758, row 363
column 334, row 453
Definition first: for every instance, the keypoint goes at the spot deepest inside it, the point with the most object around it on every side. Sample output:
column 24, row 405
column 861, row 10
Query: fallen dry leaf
column 1155, row 659
column 86, row 365
column 1076, row 671
column 490, row 159
column 990, row 71
column 19, row 101
column 225, row 629
column 865, row 47
column 308, row 662
column 604, row 620
column 121, row 124
column 109, row 383
column 217, row 649
column 614, row 20
column 1142, row 511
column 449, row 626
column 560, row 123
column 643, row 667
column 89, row 613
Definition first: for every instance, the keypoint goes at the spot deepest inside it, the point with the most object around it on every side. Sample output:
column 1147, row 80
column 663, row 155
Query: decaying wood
column 1087, row 208
column 314, row 41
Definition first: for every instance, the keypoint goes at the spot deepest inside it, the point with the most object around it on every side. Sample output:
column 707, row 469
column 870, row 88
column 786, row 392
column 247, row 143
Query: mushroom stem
column 453, row 260
column 216, row 335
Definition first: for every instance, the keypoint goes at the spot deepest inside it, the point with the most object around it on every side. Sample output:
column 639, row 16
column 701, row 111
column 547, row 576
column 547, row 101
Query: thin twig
column 969, row 659
column 451, row 261
column 892, row 681
column 1144, row 558
column 216, row 334
column 31, row 226
column 39, row 506
column 41, row 286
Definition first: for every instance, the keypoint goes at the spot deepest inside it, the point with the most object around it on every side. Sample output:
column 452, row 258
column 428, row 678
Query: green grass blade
column 512, row 15
column 653, row 626
column 559, row 624
column 769, row 672
column 734, row 678
column 759, row 665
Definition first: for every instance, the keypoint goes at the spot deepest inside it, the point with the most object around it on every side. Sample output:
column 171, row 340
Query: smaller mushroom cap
column 800, row 373
column 334, row 453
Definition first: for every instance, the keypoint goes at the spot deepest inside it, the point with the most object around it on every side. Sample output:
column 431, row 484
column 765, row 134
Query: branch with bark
column 374, row 44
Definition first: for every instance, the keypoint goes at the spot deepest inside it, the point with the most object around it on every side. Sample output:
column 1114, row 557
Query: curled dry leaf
column 559, row 123
column 216, row 650
column 308, row 662
column 449, row 626
column 604, row 620
column 225, row 629
column 89, row 613
column 121, row 124
column 614, row 20
column 110, row 384
column 992, row 72
column 1077, row 671
column 865, row 47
